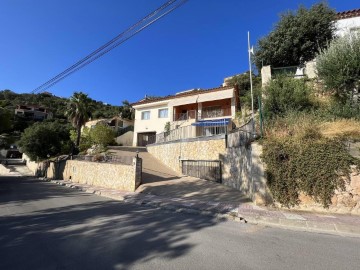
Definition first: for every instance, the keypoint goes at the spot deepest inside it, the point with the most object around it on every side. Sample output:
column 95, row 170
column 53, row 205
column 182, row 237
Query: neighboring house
column 209, row 112
column 347, row 22
column 116, row 123
column 33, row 112
column 123, row 128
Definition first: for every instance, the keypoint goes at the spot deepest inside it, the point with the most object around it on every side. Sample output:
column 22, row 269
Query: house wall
column 345, row 26
column 154, row 124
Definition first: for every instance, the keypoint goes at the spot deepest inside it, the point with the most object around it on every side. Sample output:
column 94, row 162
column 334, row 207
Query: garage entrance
column 146, row 138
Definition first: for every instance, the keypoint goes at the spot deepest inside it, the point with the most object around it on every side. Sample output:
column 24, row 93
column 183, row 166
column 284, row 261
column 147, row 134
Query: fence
column 203, row 169
column 106, row 159
column 188, row 132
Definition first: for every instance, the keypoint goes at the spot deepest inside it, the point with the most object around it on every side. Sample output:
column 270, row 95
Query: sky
column 196, row 46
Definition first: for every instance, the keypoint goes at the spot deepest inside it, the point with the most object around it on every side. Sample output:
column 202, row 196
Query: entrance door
column 146, row 138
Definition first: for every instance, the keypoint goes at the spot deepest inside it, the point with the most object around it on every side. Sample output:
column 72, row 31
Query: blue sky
column 196, row 46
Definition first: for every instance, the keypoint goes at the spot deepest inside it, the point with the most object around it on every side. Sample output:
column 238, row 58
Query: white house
column 348, row 22
column 196, row 107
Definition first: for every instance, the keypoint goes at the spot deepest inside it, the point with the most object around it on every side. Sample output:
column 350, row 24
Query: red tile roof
column 348, row 14
column 186, row 94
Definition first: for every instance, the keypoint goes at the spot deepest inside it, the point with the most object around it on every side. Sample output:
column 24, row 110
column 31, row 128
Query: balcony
column 214, row 112
column 185, row 116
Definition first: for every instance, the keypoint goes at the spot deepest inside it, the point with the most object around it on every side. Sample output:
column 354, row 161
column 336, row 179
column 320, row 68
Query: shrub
column 46, row 138
column 307, row 163
column 286, row 94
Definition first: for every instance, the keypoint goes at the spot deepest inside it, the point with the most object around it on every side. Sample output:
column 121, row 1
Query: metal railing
column 213, row 113
column 192, row 114
column 203, row 169
column 188, row 132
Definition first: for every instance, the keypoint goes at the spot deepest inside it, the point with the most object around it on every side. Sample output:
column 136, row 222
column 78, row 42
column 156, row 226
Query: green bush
column 285, row 94
column 101, row 135
column 44, row 139
column 307, row 163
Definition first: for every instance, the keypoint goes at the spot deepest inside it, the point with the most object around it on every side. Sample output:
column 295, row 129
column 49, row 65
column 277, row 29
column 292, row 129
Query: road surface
column 45, row 226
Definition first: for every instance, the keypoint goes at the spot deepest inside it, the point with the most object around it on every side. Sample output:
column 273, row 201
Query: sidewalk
column 245, row 212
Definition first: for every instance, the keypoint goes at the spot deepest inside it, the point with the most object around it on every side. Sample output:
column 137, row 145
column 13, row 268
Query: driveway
column 158, row 179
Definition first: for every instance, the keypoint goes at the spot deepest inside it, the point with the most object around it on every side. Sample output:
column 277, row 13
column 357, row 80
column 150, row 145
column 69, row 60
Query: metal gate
column 204, row 169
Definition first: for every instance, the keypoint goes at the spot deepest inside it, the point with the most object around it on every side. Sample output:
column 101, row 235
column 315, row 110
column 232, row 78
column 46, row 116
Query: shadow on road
column 90, row 232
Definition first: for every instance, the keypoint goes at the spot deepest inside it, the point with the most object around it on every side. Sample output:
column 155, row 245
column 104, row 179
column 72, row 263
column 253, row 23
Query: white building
column 348, row 22
column 196, row 107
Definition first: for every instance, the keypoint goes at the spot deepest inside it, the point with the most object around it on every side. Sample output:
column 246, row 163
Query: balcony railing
column 213, row 113
column 205, row 113
column 185, row 116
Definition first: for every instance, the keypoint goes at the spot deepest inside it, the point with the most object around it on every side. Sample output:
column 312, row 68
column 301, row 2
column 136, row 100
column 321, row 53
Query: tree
column 102, row 135
column 338, row 67
column 127, row 112
column 46, row 138
column 5, row 119
column 297, row 37
column 242, row 81
column 285, row 94
column 79, row 111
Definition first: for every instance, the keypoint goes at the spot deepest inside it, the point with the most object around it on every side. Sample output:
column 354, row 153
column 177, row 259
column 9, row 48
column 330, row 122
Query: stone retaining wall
column 107, row 175
column 343, row 202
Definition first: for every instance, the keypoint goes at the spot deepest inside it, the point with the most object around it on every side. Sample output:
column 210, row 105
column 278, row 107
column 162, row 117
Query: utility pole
column 250, row 50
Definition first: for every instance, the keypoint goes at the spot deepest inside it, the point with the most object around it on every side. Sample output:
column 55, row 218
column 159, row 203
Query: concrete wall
column 125, row 139
column 242, row 168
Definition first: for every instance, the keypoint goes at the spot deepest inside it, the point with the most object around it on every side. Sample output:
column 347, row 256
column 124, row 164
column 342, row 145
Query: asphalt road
column 45, row 226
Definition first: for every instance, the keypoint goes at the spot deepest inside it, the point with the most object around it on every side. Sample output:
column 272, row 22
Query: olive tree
column 338, row 67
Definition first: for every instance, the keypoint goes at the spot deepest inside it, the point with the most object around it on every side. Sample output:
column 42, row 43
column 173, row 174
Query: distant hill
column 57, row 105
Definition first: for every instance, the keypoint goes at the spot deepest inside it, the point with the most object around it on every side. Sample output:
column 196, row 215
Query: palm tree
column 79, row 111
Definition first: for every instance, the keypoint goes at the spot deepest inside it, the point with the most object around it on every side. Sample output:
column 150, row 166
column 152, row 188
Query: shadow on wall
column 243, row 169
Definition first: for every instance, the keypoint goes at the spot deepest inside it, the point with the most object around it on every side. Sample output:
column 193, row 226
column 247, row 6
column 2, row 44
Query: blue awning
column 212, row 123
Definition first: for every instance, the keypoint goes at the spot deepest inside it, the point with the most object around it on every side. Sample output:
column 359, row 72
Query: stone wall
column 242, row 168
column 343, row 202
column 34, row 167
column 171, row 153
column 107, row 175
column 4, row 170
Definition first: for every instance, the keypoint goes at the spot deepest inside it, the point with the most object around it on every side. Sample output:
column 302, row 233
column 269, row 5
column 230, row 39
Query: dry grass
column 343, row 127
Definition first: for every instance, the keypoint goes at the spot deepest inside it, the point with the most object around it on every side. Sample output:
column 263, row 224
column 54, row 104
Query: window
column 355, row 31
column 163, row 113
column 145, row 115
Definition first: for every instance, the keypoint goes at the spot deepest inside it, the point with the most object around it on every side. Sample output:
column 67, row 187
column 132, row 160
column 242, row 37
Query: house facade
column 348, row 22
column 196, row 112
column 33, row 112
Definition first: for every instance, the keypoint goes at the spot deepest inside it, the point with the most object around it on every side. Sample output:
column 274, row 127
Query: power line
column 115, row 42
